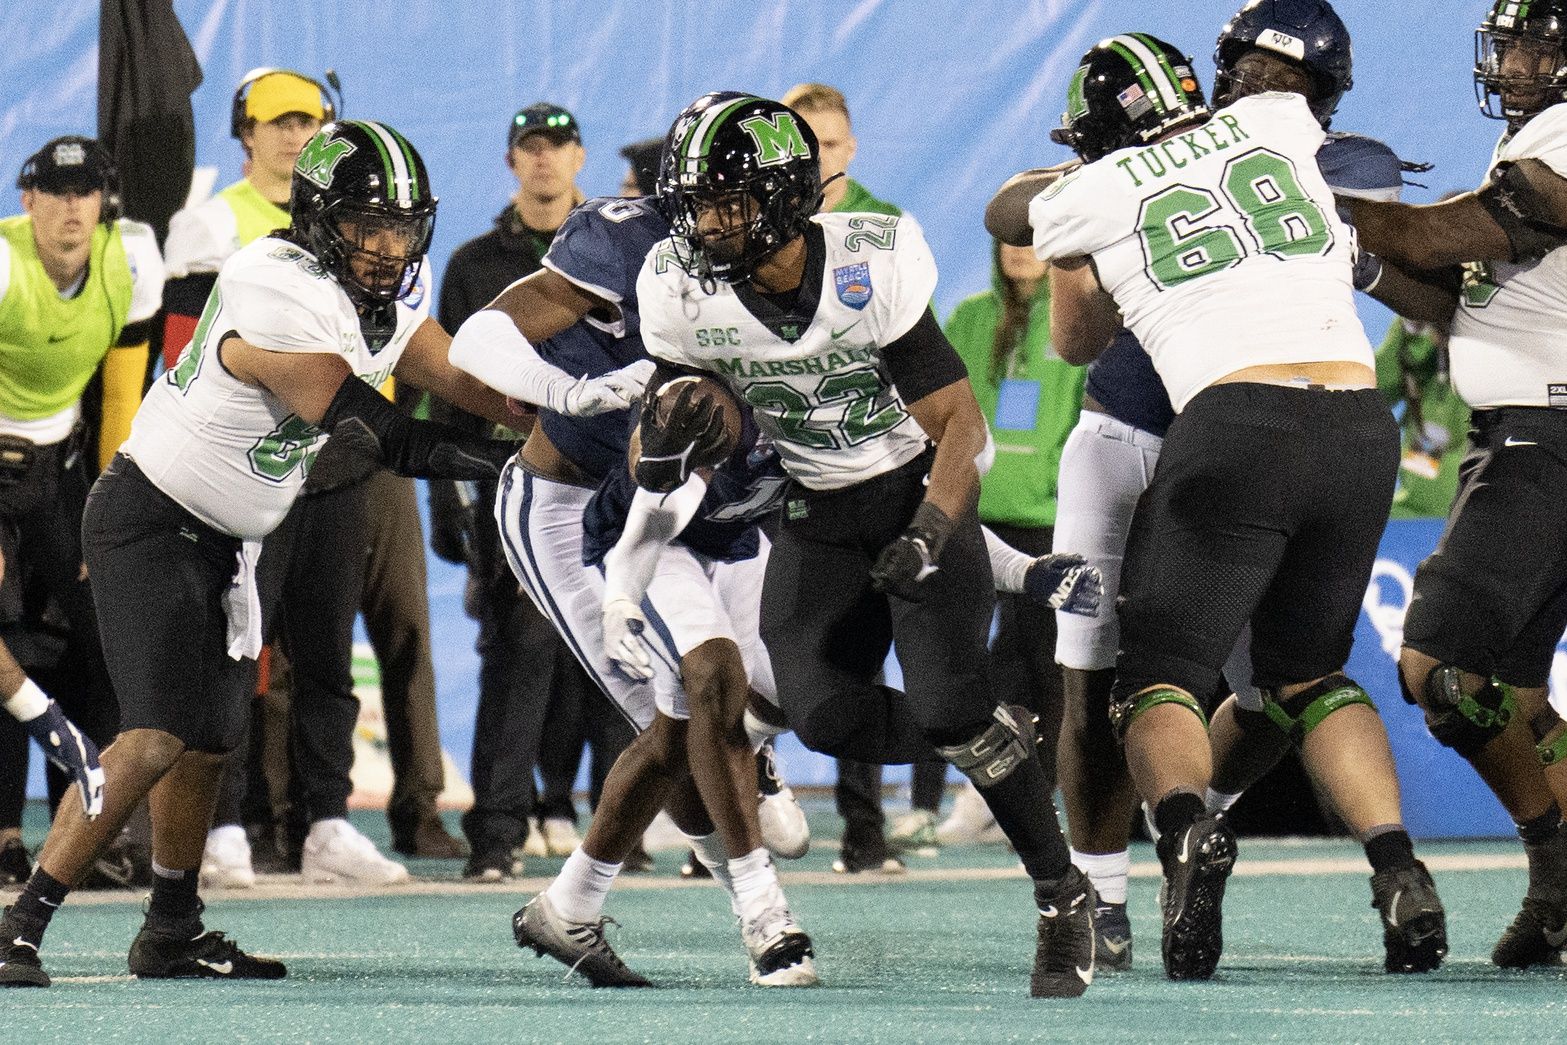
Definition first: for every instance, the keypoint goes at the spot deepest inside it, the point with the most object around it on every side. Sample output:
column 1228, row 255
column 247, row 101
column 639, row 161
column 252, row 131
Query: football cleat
column 19, row 962
column 156, row 955
column 1536, row 936
column 971, row 821
column 1414, row 926
column 1113, row 947
column 335, row 851
column 785, row 831
column 1064, row 952
column 914, row 832
column 498, row 864
column 870, row 854
column 780, row 952
column 580, row 946
column 1197, row 864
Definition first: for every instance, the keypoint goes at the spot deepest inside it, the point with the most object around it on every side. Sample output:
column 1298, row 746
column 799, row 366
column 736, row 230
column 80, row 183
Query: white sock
column 1107, row 871
column 1218, row 801
column 28, row 702
column 579, row 890
column 1006, row 563
column 756, row 882
column 710, row 851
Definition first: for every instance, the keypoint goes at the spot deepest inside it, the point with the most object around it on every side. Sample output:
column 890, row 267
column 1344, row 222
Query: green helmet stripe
column 1159, row 79
column 1141, row 72
column 399, row 167
column 1164, row 62
column 701, row 139
column 415, row 190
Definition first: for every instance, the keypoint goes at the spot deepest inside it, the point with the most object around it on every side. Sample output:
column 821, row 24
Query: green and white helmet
column 1129, row 90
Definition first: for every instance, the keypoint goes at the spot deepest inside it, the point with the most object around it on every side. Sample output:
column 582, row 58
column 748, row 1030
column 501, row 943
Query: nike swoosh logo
column 222, row 968
column 836, row 334
column 1556, row 937
column 1116, row 947
column 1186, row 844
column 1044, row 912
column 1086, row 975
column 1510, row 441
column 56, row 340
column 1392, row 910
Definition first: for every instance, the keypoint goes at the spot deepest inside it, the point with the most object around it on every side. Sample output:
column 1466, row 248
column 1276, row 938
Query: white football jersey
column 232, row 453
column 814, row 377
column 1221, row 245
column 1511, row 323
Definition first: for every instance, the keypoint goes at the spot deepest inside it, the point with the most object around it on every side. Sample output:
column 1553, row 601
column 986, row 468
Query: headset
column 329, row 109
column 113, row 204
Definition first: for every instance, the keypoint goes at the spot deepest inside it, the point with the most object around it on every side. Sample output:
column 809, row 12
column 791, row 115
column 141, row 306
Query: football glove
column 689, row 437
column 591, row 396
column 1064, row 582
column 907, row 561
column 623, row 628
column 73, row 753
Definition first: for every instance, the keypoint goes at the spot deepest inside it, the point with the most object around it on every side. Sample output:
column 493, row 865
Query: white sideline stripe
column 292, row 887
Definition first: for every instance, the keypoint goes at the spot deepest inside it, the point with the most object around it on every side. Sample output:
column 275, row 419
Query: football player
column 1490, row 603
column 1302, row 47
column 821, row 323
column 299, row 331
column 1279, row 464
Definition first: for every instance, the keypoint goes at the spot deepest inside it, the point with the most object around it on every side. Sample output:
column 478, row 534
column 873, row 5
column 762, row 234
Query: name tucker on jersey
column 1160, row 159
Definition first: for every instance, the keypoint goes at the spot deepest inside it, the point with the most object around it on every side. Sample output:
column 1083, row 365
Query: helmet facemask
column 1520, row 69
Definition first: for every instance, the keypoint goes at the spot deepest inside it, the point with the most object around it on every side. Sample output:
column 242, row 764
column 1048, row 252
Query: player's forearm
column 1430, row 236
column 1430, row 297
column 952, row 418
column 653, row 521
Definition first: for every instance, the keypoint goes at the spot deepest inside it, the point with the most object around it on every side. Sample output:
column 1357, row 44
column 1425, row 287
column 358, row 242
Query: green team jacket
column 1431, row 451
column 1030, row 410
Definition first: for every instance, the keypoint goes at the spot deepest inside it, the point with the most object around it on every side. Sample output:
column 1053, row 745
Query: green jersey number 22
column 1185, row 235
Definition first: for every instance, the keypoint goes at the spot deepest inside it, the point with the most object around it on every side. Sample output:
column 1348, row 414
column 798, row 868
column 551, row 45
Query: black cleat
column 1197, row 863
column 1536, row 937
column 1414, row 926
column 1064, row 953
column 1113, row 931
column 16, row 867
column 579, row 945
column 694, row 868
column 19, row 964
column 869, row 853
column 160, row 956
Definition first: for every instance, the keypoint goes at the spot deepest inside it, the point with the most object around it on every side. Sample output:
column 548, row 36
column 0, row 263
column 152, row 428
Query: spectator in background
column 858, row 791
column 642, row 167
column 1031, row 399
column 534, row 699
column 79, row 287
column 1412, row 372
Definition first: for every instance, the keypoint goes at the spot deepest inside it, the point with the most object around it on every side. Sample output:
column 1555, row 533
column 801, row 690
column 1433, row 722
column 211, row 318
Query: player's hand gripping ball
column 687, row 423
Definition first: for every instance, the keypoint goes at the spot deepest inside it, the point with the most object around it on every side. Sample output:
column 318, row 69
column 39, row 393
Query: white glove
column 590, row 396
column 623, row 628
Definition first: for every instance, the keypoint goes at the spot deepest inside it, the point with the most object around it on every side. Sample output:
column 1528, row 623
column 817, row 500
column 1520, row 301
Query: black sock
column 40, row 898
column 1176, row 812
column 174, row 899
column 1540, row 829
column 1390, row 849
column 1025, row 812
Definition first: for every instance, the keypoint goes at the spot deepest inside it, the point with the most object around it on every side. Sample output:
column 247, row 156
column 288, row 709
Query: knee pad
column 1250, row 721
column 1298, row 715
column 1543, row 724
column 996, row 753
column 1466, row 722
column 1125, row 710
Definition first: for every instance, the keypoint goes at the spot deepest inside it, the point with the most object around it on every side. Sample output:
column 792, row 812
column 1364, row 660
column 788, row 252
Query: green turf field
column 941, row 955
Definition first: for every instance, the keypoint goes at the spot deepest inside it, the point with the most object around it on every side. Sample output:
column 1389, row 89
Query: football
column 707, row 389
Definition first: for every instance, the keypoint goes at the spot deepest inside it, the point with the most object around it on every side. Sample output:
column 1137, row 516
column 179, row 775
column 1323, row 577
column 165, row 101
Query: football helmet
column 739, row 179
column 1129, row 90
column 1529, row 36
column 1307, row 32
column 361, row 203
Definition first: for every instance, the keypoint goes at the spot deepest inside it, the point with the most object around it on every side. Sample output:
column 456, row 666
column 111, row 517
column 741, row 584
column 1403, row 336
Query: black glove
column 451, row 522
column 691, row 436
column 911, row 558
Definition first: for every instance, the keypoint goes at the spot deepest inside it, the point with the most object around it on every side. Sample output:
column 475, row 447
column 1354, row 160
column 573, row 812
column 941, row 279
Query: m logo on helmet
column 778, row 138
column 320, row 158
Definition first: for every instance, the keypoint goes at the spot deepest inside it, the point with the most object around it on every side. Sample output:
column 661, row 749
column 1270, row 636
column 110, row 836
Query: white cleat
column 971, row 822
column 780, row 952
column 785, row 831
column 336, row 852
column 225, row 862
column 662, row 836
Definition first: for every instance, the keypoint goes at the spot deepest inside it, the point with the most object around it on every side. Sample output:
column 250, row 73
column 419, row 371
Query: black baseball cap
column 69, row 164
column 545, row 118
column 643, row 157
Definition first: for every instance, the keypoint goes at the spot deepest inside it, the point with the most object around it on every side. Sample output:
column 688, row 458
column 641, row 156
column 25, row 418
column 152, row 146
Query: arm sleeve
column 923, row 361
column 147, row 270
column 124, row 373
column 417, row 449
column 654, row 520
column 491, row 348
column 913, row 282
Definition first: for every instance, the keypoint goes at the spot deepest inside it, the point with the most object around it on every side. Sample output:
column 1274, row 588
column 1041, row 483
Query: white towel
column 242, row 604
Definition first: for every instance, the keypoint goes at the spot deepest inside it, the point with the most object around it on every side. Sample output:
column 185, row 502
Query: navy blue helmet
column 1307, row 32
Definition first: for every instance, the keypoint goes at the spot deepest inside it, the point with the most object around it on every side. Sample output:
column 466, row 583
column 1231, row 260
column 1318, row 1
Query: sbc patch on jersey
column 854, row 284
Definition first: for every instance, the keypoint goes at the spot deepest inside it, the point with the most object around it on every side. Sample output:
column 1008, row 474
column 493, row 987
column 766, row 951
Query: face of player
column 544, row 169
column 1258, row 71
column 62, row 222
column 1526, row 65
column 722, row 223
column 834, row 141
column 381, row 251
column 276, row 144
column 1020, row 265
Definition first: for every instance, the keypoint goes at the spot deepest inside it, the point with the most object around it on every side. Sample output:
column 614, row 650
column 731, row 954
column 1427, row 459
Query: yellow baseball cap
column 281, row 92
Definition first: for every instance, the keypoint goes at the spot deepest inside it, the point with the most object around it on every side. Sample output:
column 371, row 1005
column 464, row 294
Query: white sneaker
column 535, row 844
column 971, row 822
column 560, row 836
column 336, row 852
column 780, row 952
column 914, row 832
column 225, row 863
column 663, row 836
column 785, row 831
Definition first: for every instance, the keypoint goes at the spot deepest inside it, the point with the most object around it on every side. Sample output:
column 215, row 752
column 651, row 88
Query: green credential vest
column 49, row 347
column 254, row 214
